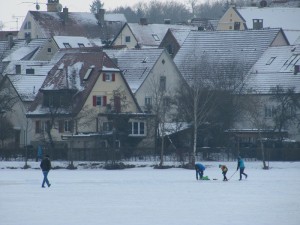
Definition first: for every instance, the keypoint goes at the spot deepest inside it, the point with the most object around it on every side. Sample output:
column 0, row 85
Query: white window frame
column 137, row 131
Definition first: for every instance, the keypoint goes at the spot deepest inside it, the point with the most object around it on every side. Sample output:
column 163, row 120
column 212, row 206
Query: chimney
column 143, row 21
column 167, row 21
column 65, row 14
column 10, row 40
column 54, row 6
column 100, row 16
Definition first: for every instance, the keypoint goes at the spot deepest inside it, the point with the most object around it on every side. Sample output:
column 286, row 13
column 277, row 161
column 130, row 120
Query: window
column 230, row 27
column 137, row 128
column 269, row 111
column 99, row 100
column 270, row 60
column 127, row 39
column 67, row 45
column 107, row 126
column 237, row 25
column 81, row 45
column 170, row 49
column 156, row 38
column 29, row 71
column 109, row 77
column 68, row 126
column 88, row 73
column 162, row 83
column 27, row 25
column 257, row 24
column 49, row 50
column 18, row 69
column 27, row 35
column 41, row 126
column 148, row 101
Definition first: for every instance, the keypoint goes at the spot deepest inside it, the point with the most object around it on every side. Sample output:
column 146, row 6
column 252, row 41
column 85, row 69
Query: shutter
column 103, row 78
column 61, row 126
column 104, row 100
column 94, row 100
column 113, row 77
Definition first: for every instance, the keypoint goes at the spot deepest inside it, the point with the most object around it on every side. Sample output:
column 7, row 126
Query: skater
column 224, row 171
column 46, row 166
column 199, row 170
column 241, row 166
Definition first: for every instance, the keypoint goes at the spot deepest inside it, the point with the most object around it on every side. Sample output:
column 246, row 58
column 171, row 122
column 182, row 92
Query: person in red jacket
column 224, row 171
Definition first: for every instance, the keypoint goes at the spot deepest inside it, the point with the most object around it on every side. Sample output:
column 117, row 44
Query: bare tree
column 287, row 104
column 255, row 114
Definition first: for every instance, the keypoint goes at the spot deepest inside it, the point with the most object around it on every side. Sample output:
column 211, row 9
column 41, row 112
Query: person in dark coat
column 46, row 167
column 199, row 170
column 241, row 166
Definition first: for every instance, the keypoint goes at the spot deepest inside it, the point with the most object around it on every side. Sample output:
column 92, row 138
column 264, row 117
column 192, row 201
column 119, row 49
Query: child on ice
column 224, row 171
column 199, row 170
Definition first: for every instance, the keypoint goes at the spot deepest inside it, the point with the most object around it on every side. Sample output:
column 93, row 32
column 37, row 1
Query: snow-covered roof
column 274, row 17
column 152, row 34
column 76, row 24
column 226, row 47
column 37, row 67
column 23, row 49
column 275, row 68
column 135, row 64
column 72, row 41
column 115, row 17
column 180, row 34
column 27, row 86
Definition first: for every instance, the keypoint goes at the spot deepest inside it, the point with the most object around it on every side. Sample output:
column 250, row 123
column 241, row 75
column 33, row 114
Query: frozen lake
column 146, row 196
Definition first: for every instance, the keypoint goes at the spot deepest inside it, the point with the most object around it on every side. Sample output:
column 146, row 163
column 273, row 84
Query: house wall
column 17, row 117
column 34, row 31
column 121, row 39
column 246, row 121
column 280, row 40
column 44, row 54
column 228, row 19
column 105, row 88
column 151, row 83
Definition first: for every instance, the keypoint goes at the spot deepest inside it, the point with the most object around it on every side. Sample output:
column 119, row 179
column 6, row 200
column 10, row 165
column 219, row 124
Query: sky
column 147, row 196
column 12, row 12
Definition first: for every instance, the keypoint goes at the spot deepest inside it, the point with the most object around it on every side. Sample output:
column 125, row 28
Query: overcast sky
column 12, row 12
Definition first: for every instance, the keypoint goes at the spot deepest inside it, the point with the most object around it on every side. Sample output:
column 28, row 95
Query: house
column 146, row 71
column 78, row 101
column 276, row 71
column 46, row 24
column 22, row 79
column 144, row 35
column 226, row 47
column 241, row 18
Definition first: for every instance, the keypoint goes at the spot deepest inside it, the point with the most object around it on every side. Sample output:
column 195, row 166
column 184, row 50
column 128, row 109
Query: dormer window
column 257, row 24
column 29, row 71
column 270, row 60
column 156, row 38
column 67, row 45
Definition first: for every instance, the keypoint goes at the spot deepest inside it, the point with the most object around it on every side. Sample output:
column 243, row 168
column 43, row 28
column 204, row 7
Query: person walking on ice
column 46, row 167
column 199, row 170
column 224, row 171
column 241, row 166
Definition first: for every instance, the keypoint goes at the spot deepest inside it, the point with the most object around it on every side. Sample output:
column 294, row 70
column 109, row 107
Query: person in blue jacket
column 241, row 166
column 199, row 170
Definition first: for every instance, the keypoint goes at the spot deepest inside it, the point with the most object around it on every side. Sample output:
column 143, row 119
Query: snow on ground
column 147, row 196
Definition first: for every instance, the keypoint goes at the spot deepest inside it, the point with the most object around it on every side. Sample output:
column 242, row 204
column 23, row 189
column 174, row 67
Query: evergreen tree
column 95, row 6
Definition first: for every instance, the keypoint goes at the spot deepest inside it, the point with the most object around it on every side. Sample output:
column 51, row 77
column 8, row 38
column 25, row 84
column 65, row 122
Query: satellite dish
column 59, row 7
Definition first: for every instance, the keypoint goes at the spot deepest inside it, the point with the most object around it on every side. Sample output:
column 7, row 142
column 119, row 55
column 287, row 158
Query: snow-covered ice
column 147, row 196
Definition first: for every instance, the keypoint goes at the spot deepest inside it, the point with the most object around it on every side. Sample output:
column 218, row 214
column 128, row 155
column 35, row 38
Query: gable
column 229, row 18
